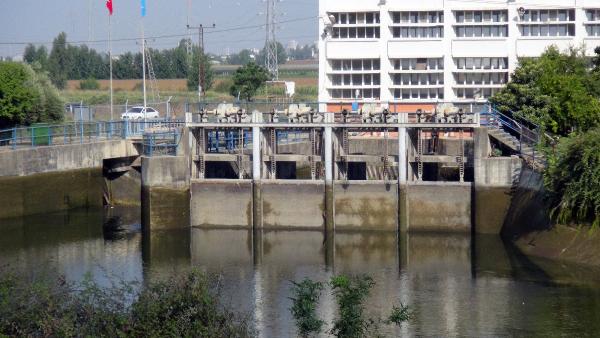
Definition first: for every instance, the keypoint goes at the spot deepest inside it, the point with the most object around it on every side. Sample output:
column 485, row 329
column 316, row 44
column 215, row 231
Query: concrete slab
column 366, row 205
column 293, row 204
column 439, row 206
column 221, row 203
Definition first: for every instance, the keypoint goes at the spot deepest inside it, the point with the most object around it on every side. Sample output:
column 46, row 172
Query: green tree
column 59, row 61
column 242, row 58
column 194, row 72
column 281, row 55
column 27, row 96
column 34, row 55
column 247, row 80
column 557, row 91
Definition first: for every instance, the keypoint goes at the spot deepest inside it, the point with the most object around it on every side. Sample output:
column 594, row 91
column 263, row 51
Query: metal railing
column 161, row 143
column 80, row 132
column 528, row 135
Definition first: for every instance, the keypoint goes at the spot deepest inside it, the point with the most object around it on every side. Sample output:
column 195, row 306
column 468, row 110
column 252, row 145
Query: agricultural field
column 129, row 92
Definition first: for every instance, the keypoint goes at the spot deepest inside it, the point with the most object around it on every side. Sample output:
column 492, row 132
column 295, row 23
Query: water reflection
column 456, row 285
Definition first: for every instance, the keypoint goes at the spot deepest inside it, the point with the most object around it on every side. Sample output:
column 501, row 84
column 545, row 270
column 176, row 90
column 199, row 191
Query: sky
column 39, row 21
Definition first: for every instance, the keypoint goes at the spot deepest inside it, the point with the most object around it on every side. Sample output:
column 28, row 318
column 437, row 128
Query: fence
column 81, row 132
column 161, row 143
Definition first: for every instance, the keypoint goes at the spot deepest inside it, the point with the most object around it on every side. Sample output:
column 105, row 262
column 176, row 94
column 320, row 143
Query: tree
column 27, row 96
column 281, row 55
column 34, row 55
column 59, row 61
column 194, row 72
column 241, row 58
column 556, row 91
column 247, row 80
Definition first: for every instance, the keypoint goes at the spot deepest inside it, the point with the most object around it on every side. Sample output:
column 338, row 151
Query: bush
column 350, row 294
column 304, row 308
column 89, row 84
column 178, row 307
column 573, row 179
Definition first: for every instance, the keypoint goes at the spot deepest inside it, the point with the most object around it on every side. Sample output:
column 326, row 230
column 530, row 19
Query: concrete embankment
column 529, row 227
column 56, row 178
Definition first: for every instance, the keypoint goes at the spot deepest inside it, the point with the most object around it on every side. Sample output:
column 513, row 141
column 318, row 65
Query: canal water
column 455, row 286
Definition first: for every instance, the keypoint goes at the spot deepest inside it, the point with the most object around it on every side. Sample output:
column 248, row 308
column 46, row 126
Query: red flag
column 109, row 6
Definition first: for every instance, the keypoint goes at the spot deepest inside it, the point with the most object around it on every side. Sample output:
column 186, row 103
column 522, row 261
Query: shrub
column 573, row 179
column 185, row 306
column 350, row 294
column 89, row 84
column 304, row 308
column 399, row 315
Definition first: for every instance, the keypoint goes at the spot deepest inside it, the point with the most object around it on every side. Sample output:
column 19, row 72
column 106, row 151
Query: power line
column 231, row 29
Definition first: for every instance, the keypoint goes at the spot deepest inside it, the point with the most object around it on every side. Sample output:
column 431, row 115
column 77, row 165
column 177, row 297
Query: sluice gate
column 303, row 169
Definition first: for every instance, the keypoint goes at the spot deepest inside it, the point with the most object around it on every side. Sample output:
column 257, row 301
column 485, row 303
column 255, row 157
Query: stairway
column 533, row 157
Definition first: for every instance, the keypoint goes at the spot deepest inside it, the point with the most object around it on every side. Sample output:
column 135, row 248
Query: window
column 417, row 25
column 361, row 25
column 419, row 64
column 481, row 31
column 419, row 94
column 548, row 30
column 481, row 63
column 552, row 15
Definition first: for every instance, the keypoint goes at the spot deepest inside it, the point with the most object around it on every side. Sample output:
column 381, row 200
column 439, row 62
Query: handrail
column 79, row 132
column 524, row 135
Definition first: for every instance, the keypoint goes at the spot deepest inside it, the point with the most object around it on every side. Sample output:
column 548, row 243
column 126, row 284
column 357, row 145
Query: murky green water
column 457, row 287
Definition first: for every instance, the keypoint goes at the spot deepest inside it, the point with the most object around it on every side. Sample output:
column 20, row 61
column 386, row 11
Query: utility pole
column 271, row 57
column 201, row 70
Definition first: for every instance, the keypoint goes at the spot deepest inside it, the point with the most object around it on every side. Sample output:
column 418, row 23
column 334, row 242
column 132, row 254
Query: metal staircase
column 519, row 137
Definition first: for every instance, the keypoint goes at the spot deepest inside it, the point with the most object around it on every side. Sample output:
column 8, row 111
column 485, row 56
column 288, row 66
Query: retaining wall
column 23, row 162
column 366, row 205
column 293, row 204
column 437, row 206
column 222, row 203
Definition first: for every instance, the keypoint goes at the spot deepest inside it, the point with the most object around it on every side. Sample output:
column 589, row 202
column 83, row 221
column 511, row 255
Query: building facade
column 413, row 54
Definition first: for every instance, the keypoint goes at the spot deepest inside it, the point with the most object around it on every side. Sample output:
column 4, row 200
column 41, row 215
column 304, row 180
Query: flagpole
column 110, row 64
column 144, row 66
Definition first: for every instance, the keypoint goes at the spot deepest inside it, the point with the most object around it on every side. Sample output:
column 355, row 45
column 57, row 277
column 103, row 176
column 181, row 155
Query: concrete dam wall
column 55, row 178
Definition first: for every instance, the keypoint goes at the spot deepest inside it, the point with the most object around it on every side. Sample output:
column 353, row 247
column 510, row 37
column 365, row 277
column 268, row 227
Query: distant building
column 412, row 53
column 292, row 44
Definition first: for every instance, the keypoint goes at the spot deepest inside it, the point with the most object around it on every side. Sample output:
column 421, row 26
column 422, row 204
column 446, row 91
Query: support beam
column 256, row 174
column 329, row 200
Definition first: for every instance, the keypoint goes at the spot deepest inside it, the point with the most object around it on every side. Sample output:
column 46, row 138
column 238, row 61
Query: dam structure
column 362, row 168
column 380, row 171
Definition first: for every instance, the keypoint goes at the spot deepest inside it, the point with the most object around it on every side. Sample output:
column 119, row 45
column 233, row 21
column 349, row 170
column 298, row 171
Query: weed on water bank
column 183, row 306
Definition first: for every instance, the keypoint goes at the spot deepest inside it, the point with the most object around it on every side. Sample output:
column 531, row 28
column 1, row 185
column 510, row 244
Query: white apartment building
column 415, row 53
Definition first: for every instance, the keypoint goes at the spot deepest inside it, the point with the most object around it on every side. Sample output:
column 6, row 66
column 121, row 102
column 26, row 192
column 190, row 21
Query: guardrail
column 529, row 135
column 163, row 143
column 80, row 132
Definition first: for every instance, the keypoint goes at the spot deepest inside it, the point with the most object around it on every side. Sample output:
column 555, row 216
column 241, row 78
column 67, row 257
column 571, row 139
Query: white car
column 137, row 113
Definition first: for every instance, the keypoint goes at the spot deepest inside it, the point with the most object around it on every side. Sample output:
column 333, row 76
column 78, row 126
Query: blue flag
column 143, row 8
